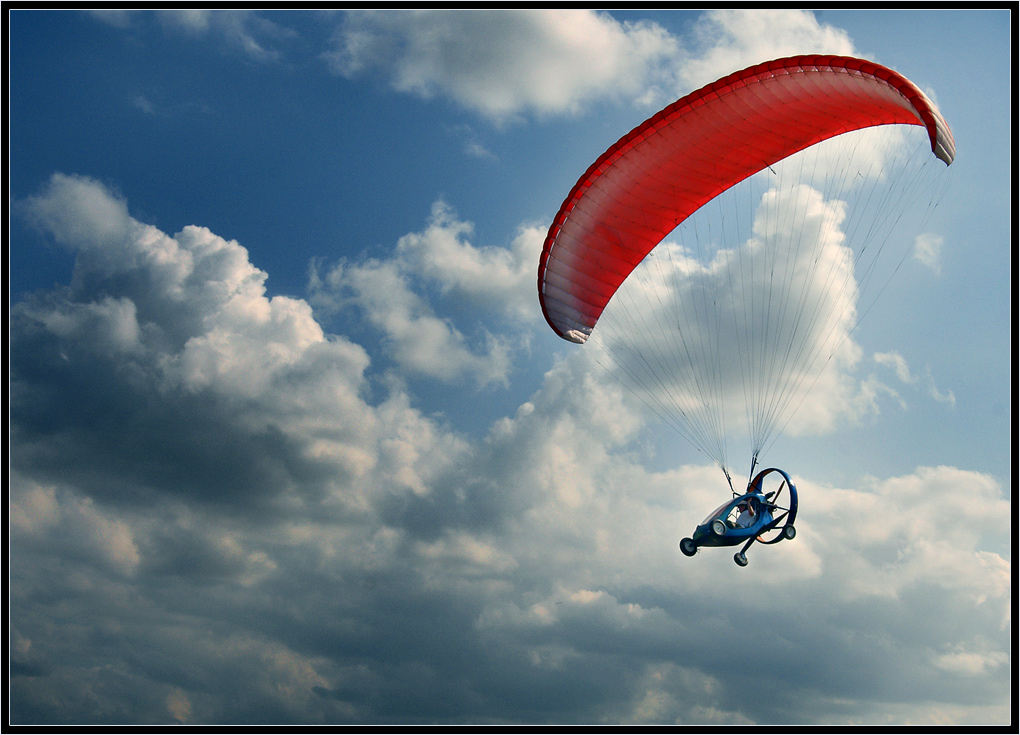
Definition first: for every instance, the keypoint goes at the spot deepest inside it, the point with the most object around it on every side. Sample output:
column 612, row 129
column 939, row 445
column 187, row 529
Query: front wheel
column 740, row 559
column 688, row 547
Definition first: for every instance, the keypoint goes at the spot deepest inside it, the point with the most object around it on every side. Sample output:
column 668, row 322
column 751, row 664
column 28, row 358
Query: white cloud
column 144, row 104
column 725, row 41
column 245, row 30
column 503, row 62
column 896, row 362
column 85, row 216
column 117, row 17
column 475, row 281
column 476, row 149
column 928, row 251
column 939, row 395
column 972, row 662
column 927, row 531
column 497, row 279
column 899, row 364
column 421, row 342
column 194, row 20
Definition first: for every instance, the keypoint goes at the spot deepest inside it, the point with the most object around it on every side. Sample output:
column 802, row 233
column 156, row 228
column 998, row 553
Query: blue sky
column 292, row 443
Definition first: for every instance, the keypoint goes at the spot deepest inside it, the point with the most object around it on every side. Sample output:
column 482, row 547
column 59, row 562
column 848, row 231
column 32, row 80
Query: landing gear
column 688, row 547
column 740, row 559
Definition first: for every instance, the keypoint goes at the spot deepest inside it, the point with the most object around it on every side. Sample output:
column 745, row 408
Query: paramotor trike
column 760, row 514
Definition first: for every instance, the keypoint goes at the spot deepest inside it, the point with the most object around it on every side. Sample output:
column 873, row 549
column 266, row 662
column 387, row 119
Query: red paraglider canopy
column 661, row 172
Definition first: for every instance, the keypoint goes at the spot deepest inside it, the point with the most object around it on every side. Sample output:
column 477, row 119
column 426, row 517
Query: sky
column 291, row 442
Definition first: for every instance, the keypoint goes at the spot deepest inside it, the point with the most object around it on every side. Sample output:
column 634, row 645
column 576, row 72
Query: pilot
column 745, row 518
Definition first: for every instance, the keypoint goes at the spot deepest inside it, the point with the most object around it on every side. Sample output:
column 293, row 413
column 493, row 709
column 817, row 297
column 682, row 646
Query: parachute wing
column 661, row 172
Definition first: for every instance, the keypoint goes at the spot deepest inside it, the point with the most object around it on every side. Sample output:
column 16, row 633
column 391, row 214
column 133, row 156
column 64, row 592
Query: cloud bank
column 222, row 512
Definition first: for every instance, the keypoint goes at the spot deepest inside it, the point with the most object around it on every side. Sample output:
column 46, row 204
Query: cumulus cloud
column 503, row 62
column 725, row 41
column 183, row 325
column 475, row 280
column 215, row 518
column 420, row 341
column 492, row 278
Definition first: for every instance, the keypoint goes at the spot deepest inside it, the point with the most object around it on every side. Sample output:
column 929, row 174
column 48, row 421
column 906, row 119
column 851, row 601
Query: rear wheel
column 740, row 559
column 688, row 547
